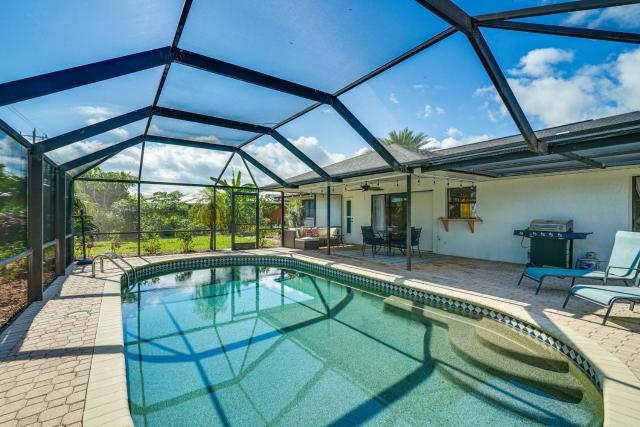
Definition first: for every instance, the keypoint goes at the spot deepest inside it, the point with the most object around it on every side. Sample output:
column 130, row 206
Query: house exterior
column 597, row 187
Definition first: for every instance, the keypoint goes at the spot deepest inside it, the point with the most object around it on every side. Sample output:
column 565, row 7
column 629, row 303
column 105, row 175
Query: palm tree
column 406, row 138
column 203, row 211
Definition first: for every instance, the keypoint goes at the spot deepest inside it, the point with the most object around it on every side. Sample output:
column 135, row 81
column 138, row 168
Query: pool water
column 249, row 346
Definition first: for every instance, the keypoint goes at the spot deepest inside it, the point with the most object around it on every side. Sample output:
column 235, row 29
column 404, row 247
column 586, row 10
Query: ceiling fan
column 366, row 187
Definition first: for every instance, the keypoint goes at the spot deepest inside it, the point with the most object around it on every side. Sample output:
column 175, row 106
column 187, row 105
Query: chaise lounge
column 605, row 296
column 624, row 265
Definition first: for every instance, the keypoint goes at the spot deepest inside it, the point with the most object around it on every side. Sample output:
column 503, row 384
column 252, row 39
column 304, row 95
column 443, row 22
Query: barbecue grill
column 551, row 242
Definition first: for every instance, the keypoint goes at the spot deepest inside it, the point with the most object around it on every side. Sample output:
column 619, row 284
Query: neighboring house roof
column 371, row 162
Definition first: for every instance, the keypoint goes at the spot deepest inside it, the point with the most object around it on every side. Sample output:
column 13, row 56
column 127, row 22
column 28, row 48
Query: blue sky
column 443, row 92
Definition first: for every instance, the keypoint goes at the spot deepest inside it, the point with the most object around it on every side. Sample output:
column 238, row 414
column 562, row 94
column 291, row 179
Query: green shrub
column 186, row 240
column 151, row 243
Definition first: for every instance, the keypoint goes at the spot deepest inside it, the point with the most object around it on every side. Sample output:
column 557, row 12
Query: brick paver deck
column 46, row 354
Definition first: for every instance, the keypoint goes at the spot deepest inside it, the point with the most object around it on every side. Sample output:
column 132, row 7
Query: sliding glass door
column 389, row 210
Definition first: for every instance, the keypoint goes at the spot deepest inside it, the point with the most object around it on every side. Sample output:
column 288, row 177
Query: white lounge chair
column 624, row 265
column 605, row 296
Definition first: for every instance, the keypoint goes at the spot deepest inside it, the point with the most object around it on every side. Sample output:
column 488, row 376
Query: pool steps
column 483, row 348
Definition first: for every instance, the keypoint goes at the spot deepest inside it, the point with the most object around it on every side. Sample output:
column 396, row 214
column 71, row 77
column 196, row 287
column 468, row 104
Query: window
column 635, row 201
column 461, row 202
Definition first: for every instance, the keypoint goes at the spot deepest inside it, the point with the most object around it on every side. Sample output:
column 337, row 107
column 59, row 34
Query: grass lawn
column 168, row 245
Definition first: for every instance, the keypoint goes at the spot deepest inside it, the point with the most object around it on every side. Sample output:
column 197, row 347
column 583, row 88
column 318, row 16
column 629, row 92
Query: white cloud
column 427, row 111
column 455, row 137
column 554, row 97
column 284, row 164
column 540, row 62
column 624, row 17
column 79, row 149
column 327, row 110
column 361, row 151
column 96, row 114
column 420, row 86
column 181, row 164
column 392, row 98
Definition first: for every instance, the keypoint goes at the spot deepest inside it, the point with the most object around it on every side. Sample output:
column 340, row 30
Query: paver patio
column 47, row 352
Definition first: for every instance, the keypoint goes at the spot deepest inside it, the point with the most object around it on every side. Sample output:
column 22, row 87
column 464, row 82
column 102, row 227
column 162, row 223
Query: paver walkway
column 44, row 374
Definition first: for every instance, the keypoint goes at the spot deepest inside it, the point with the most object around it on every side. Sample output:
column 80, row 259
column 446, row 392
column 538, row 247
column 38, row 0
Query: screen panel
column 325, row 45
column 13, row 203
column 76, row 108
column 477, row 7
column 324, row 136
column 560, row 80
column 276, row 157
column 619, row 18
column 436, row 99
column 98, row 142
column 202, row 92
column 55, row 35
column 163, row 126
column 172, row 163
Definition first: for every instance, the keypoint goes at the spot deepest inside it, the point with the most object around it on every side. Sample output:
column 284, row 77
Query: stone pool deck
column 61, row 360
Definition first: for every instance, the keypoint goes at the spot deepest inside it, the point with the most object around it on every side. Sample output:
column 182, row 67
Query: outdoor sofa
column 319, row 233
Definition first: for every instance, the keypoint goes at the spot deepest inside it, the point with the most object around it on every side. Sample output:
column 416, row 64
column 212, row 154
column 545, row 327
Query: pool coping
column 619, row 386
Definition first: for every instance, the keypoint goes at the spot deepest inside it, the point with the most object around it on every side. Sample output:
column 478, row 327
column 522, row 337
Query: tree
column 202, row 211
column 406, row 138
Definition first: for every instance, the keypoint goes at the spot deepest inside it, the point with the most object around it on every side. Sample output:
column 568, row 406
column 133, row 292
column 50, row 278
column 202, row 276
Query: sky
column 443, row 92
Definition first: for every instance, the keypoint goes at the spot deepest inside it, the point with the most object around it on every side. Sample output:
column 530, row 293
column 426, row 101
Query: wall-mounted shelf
column 471, row 222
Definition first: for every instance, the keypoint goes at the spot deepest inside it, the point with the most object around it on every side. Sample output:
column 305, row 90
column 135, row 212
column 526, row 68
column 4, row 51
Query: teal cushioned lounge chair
column 605, row 296
column 624, row 264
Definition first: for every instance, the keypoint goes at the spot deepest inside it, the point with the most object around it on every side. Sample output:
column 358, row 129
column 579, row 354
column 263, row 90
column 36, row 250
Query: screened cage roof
column 301, row 92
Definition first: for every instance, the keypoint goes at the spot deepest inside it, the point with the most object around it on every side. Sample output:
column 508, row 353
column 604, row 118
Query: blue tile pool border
column 461, row 307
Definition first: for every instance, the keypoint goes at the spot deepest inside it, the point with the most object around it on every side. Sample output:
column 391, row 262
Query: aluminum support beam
column 189, row 143
column 226, row 69
column 264, row 170
column 558, row 30
column 571, row 6
column 449, row 12
column 45, row 84
column 35, row 217
column 300, row 155
column 328, row 219
column 504, row 90
column 209, row 120
column 92, row 130
column 254, row 77
column 408, row 247
column 366, row 135
column 61, row 222
column 97, row 155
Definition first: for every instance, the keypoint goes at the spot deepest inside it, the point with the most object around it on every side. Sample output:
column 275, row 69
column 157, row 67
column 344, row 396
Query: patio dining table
column 388, row 237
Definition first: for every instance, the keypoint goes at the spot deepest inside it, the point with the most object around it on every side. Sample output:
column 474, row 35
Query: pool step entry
column 479, row 344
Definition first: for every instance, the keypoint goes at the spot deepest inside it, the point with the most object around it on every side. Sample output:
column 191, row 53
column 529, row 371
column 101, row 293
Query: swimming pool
column 255, row 345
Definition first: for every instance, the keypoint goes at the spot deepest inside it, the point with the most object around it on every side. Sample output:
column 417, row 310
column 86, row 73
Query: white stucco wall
column 598, row 201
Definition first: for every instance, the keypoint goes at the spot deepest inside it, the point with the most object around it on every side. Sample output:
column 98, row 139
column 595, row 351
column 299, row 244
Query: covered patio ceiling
column 284, row 92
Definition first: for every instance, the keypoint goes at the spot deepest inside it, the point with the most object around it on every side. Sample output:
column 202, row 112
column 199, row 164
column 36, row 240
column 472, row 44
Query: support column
column 139, row 219
column 408, row 218
column 215, row 220
column 72, row 245
column 232, row 219
column 61, row 222
column 282, row 218
column 35, row 226
column 258, row 220
column 329, row 219
column 315, row 210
